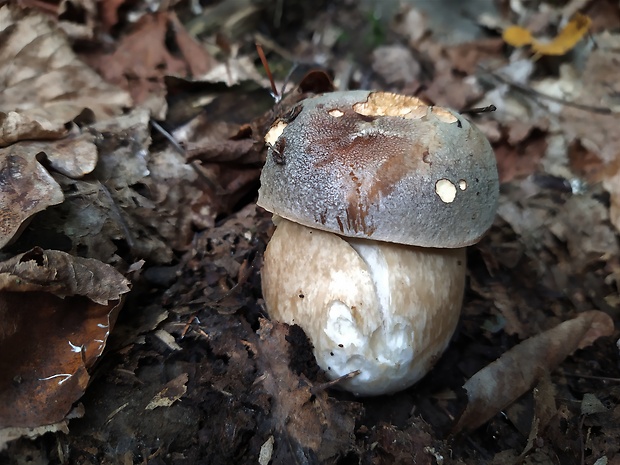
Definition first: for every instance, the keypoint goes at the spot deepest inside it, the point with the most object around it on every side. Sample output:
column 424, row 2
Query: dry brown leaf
column 515, row 162
column 12, row 433
column 28, row 124
column 447, row 87
column 396, row 64
column 583, row 224
column 307, row 423
column 109, row 13
column 597, row 133
column 25, row 189
column 44, row 364
column 74, row 155
column 63, row 275
column 56, row 312
column 172, row 391
column 40, row 71
column 142, row 58
column 199, row 61
column 502, row 382
column 467, row 57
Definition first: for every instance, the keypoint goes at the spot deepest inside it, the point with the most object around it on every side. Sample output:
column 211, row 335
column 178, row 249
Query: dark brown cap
column 382, row 166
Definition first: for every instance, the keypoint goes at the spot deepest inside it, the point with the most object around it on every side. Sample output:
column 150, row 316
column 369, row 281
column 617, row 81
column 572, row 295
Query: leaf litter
column 193, row 372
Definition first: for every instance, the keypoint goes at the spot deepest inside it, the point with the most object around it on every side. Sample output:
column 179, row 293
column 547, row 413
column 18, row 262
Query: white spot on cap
column 335, row 113
column 275, row 131
column 445, row 190
column 462, row 184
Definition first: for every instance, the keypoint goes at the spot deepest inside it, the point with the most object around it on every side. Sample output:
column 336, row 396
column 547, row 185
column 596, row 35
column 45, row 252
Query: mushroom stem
column 388, row 310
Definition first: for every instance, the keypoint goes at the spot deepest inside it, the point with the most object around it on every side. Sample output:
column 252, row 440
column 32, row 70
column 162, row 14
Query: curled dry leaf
column 56, row 313
column 75, row 155
column 62, row 275
column 25, row 189
column 307, row 422
column 502, row 382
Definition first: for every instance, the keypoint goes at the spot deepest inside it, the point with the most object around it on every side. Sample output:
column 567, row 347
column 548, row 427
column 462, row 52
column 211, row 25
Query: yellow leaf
column 517, row 36
column 568, row 37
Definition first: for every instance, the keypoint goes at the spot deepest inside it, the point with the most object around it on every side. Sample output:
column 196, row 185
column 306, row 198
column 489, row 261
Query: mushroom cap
column 382, row 166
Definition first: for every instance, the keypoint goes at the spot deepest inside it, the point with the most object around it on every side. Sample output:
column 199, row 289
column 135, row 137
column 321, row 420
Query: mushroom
column 375, row 197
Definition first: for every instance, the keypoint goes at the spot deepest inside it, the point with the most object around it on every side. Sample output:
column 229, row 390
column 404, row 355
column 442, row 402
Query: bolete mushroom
column 375, row 197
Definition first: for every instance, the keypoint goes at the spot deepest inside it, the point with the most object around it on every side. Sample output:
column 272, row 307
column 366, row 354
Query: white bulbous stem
column 385, row 309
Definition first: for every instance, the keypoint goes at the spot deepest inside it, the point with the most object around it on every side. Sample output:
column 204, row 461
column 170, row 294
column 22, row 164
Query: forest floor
column 132, row 324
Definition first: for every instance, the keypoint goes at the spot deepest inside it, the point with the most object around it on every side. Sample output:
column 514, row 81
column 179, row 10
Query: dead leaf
column 583, row 224
column 515, row 372
column 307, row 423
column 568, row 37
column 61, row 274
column 56, row 312
column 40, row 71
column 25, row 189
column 109, row 13
column 597, row 133
column 199, row 61
column 45, row 362
column 134, row 195
column 467, row 57
column 28, row 124
column 565, row 41
column 396, row 64
column 520, row 160
column 13, row 433
column 447, row 87
column 172, row 391
column 75, row 155
column 143, row 57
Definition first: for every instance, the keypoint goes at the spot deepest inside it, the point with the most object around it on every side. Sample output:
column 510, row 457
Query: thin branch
column 263, row 59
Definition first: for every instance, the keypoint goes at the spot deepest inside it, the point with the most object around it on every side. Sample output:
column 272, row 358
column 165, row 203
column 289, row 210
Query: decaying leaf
column 123, row 199
column 40, row 71
column 61, row 274
column 171, row 392
column 12, row 433
column 308, row 423
column 75, row 155
column 56, row 312
column 28, row 124
column 411, row 445
column 565, row 41
column 597, row 133
column 514, row 373
column 25, row 189
column 143, row 57
column 44, row 88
